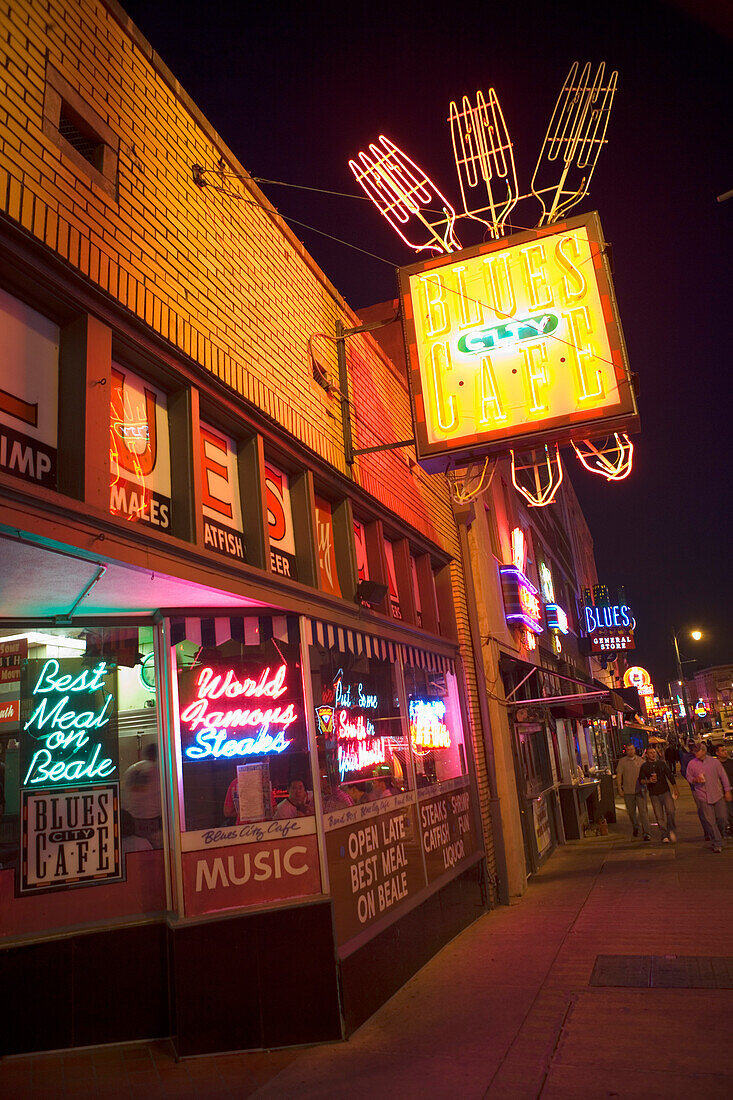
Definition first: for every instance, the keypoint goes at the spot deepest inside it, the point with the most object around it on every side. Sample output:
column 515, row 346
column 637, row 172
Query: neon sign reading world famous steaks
column 255, row 729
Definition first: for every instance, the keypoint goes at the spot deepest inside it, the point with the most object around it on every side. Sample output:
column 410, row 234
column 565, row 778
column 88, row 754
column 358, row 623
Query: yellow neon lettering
column 536, row 373
column 540, row 294
column 499, row 287
column 436, row 313
column 563, row 246
column 489, row 394
column 583, row 357
column 444, row 406
column 471, row 312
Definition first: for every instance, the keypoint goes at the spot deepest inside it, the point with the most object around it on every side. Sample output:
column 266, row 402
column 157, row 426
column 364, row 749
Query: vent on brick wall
column 86, row 143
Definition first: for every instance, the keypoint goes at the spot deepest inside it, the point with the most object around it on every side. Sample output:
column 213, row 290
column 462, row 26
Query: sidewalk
column 506, row 1009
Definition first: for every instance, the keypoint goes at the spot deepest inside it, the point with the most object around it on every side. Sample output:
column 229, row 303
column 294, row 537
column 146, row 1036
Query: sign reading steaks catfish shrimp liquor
column 515, row 343
column 446, row 826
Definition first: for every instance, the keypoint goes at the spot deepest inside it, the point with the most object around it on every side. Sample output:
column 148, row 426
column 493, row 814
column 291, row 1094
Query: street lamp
column 696, row 635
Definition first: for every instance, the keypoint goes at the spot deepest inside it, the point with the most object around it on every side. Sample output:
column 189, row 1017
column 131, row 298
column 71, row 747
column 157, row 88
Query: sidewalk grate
column 664, row 971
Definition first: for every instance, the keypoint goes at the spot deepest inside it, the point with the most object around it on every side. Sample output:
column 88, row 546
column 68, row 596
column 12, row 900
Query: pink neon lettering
column 212, row 685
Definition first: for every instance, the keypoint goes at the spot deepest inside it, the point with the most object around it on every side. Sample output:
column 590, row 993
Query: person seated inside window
column 381, row 788
column 334, row 798
column 299, row 802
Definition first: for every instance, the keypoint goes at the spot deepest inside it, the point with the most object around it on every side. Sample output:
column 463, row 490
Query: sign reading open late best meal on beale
column 69, row 774
column 514, row 343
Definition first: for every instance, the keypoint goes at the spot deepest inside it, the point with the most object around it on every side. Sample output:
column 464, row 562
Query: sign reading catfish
column 515, row 341
column 68, row 723
column 241, row 708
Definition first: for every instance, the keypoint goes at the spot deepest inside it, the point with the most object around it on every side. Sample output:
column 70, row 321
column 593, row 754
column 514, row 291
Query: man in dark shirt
column 659, row 781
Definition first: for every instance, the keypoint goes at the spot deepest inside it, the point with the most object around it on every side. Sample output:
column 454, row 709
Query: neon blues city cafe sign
column 348, row 722
column 70, row 736
column 427, row 725
column 229, row 715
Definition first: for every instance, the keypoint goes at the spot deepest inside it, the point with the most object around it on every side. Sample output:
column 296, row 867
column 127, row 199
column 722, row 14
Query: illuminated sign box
column 240, row 708
column 515, row 343
column 521, row 602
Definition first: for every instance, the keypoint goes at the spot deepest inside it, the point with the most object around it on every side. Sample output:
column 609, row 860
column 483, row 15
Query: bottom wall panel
column 372, row 974
column 243, row 982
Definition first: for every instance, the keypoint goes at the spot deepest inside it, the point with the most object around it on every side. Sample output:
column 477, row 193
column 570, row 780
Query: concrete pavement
column 506, row 1009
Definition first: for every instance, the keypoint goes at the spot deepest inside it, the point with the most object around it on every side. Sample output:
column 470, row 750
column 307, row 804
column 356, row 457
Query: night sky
column 297, row 89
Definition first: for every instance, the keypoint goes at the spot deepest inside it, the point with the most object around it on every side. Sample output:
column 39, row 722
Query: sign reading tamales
column 515, row 343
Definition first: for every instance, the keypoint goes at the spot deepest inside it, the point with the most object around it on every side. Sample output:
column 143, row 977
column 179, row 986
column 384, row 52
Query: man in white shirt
column 711, row 789
column 632, row 792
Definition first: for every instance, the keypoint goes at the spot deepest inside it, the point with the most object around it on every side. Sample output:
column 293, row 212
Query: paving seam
column 541, row 988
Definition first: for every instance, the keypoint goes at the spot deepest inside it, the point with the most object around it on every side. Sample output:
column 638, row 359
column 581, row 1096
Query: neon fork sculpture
column 611, row 458
column 404, row 194
column 574, row 139
column 484, row 158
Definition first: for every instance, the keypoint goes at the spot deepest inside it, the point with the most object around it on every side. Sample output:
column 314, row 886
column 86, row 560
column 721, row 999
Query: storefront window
column 247, row 790
column 81, row 826
column 436, row 729
column 362, row 750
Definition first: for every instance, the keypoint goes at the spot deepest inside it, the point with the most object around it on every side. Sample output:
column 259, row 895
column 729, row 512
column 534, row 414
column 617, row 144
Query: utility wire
column 287, row 218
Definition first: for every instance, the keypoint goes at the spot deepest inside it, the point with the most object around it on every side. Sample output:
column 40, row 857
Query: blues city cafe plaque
column 70, row 838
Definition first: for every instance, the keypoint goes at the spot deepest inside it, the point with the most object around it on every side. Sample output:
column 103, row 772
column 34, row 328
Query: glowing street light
column 696, row 635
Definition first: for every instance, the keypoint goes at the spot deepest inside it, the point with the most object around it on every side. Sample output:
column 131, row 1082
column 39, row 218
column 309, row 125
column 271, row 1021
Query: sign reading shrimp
column 514, row 343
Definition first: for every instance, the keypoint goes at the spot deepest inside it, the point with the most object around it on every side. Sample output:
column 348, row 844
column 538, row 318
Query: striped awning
column 344, row 640
column 247, row 629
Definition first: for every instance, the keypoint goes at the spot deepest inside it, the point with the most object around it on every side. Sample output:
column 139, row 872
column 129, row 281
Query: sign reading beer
column 239, row 708
column 514, row 343
column 139, row 451
column 446, row 826
column 68, row 723
column 29, row 381
column 70, row 838
column 280, row 523
column 220, row 501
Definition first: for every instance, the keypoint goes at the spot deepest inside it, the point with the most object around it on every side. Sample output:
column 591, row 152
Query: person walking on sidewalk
column 710, row 786
column 659, row 781
column 631, row 790
column 725, row 760
column 686, row 758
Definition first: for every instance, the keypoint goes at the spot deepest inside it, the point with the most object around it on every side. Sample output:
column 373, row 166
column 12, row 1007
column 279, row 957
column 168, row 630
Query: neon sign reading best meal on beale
column 239, row 709
column 68, row 724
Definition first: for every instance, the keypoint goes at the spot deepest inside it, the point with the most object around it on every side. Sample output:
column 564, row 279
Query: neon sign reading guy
column 71, row 734
column 427, row 727
column 266, row 726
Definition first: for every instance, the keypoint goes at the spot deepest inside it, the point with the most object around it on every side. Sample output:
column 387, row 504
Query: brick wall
column 219, row 276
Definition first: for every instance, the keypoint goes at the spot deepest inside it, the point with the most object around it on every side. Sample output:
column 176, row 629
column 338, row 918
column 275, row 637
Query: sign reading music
column 514, row 343
column 240, row 708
